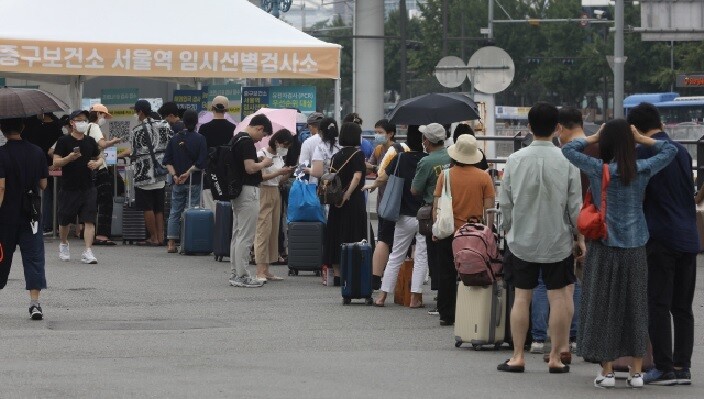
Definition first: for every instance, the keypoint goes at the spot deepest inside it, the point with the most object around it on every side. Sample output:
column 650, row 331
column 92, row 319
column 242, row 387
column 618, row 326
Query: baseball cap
column 75, row 114
column 144, row 106
column 315, row 118
column 220, row 103
column 434, row 132
column 101, row 108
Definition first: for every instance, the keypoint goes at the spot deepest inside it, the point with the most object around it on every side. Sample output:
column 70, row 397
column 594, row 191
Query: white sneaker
column 88, row 257
column 607, row 381
column 635, row 381
column 537, row 347
column 64, row 253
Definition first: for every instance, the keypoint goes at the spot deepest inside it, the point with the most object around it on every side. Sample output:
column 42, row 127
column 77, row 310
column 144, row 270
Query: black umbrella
column 22, row 103
column 443, row 108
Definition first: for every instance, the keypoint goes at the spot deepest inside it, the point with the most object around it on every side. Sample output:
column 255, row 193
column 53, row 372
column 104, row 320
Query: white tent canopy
column 156, row 38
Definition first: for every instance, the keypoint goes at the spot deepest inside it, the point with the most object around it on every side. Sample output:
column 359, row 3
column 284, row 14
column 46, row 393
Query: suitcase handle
column 190, row 184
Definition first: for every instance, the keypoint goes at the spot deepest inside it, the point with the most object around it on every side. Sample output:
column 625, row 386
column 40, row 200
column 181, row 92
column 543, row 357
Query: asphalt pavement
column 146, row 324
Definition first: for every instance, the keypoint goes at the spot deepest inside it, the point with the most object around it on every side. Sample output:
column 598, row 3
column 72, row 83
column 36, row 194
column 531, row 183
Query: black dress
column 348, row 223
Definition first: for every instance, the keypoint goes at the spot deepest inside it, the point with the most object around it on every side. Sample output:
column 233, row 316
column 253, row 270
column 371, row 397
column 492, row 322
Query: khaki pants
column 244, row 224
column 266, row 243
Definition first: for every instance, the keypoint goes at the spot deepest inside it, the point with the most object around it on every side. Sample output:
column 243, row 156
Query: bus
column 673, row 108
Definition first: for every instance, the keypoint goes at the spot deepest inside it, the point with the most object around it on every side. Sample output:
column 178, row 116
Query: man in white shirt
column 540, row 198
column 308, row 146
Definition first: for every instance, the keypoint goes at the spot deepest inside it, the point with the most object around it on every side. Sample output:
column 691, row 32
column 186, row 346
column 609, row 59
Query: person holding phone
column 79, row 157
column 266, row 241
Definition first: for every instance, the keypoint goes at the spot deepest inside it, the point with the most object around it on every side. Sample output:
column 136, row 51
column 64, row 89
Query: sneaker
column 684, row 377
column 88, row 257
column 605, row 381
column 35, row 312
column 433, row 312
column 635, row 381
column 64, row 253
column 245, row 281
column 573, row 345
column 657, row 377
column 537, row 347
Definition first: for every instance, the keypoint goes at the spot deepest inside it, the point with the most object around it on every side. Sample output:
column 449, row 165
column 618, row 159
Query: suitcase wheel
column 369, row 301
column 292, row 272
column 458, row 344
column 476, row 347
column 318, row 273
column 346, row 300
column 497, row 346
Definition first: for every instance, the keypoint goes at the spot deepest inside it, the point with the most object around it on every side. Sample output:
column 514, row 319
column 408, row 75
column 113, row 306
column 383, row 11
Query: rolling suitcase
column 480, row 315
column 223, row 230
column 305, row 247
column 356, row 270
column 133, row 229
column 196, row 229
column 118, row 205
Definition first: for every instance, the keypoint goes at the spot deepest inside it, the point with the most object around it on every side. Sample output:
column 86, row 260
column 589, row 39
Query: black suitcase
column 305, row 247
column 133, row 229
column 223, row 230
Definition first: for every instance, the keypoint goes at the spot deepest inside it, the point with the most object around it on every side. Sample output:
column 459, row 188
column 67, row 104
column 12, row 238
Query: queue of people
column 595, row 286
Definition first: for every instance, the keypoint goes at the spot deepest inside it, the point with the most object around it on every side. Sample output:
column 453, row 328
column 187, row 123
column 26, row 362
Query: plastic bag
column 303, row 203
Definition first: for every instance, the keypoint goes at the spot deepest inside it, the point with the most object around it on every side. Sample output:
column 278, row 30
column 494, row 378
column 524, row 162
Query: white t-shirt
column 307, row 149
column 95, row 132
column 278, row 164
column 324, row 153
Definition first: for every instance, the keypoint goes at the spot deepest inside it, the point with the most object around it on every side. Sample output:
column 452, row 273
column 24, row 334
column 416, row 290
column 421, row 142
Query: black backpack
column 224, row 176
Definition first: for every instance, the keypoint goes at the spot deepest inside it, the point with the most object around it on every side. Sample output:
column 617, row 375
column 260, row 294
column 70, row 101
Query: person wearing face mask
column 266, row 242
column 185, row 158
column 78, row 155
column 148, row 143
column 98, row 118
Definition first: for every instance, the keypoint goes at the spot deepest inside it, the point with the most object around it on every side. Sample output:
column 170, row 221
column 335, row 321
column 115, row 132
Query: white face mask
column 281, row 151
column 81, row 126
column 102, row 121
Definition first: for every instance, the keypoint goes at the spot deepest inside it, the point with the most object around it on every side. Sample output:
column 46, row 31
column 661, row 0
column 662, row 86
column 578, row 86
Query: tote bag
column 444, row 225
column 303, row 203
column 390, row 205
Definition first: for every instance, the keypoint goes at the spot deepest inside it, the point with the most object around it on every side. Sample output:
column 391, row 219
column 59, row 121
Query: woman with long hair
column 266, row 241
column 614, row 314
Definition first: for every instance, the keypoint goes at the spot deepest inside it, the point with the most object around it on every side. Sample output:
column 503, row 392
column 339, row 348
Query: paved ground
column 146, row 324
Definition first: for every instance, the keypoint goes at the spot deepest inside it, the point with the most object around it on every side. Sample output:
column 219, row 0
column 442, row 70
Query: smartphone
column 77, row 149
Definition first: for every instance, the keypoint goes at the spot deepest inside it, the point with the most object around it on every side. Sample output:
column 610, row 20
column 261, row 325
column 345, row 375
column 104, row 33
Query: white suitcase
column 480, row 315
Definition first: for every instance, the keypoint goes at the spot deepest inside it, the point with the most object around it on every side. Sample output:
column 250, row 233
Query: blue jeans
column 540, row 311
column 32, row 250
column 179, row 197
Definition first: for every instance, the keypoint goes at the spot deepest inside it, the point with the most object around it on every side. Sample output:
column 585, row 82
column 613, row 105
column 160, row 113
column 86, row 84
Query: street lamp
column 275, row 6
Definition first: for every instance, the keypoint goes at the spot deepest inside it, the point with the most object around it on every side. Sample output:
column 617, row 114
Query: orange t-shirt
column 469, row 187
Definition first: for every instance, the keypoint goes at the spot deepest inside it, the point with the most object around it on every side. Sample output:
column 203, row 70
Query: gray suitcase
column 480, row 315
column 118, row 204
column 133, row 229
column 305, row 247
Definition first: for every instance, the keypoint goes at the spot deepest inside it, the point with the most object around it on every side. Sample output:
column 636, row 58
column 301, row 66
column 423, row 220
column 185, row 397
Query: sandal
column 172, row 250
column 510, row 369
column 103, row 242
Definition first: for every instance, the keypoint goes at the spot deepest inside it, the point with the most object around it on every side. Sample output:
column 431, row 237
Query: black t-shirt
column 76, row 175
column 32, row 167
column 217, row 132
column 245, row 150
column 407, row 170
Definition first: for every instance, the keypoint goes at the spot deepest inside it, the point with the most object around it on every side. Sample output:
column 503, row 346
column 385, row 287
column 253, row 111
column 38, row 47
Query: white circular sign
column 491, row 70
column 451, row 71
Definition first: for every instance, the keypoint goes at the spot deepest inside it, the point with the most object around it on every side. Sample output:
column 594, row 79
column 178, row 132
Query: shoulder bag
column 444, row 225
column 591, row 222
column 330, row 190
column 390, row 205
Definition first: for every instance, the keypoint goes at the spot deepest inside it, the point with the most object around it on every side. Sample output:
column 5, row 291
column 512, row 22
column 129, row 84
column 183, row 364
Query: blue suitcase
column 223, row 230
column 356, row 272
column 197, row 230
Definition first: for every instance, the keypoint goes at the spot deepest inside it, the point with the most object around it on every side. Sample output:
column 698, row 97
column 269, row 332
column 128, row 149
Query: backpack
column 303, row 136
column 477, row 257
column 330, row 190
column 224, row 176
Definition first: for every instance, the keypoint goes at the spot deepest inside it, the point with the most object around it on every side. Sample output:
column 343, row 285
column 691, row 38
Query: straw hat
column 465, row 150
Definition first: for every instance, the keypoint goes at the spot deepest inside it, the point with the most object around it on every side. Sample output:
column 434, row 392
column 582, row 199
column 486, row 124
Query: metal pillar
column 490, row 35
column 619, row 60
column 368, row 75
column 444, row 27
column 338, row 100
column 403, row 21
